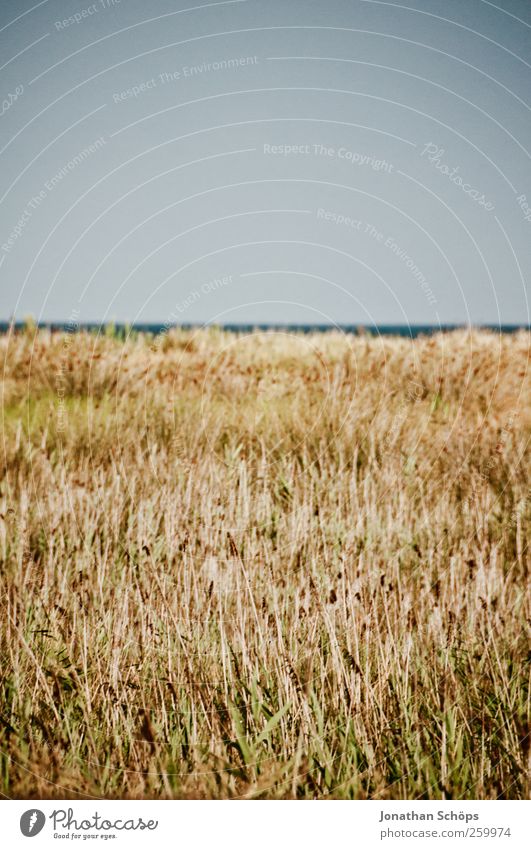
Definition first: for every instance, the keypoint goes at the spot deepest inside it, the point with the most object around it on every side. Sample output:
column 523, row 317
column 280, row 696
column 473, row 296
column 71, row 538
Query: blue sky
column 349, row 162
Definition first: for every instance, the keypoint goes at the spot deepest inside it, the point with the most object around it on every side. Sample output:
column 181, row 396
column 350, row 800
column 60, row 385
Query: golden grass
column 269, row 566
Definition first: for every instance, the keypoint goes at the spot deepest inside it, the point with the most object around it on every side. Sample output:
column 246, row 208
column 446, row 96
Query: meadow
column 265, row 565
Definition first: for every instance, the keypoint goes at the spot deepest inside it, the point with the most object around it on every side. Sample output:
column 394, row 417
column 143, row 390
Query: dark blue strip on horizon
column 412, row 331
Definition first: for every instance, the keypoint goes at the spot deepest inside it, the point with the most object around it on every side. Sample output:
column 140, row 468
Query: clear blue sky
column 266, row 161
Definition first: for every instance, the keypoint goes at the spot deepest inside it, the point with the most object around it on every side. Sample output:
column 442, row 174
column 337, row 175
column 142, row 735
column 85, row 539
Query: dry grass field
column 266, row 566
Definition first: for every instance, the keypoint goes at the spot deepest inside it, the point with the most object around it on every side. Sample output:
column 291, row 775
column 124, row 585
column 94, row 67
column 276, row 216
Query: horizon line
column 156, row 328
